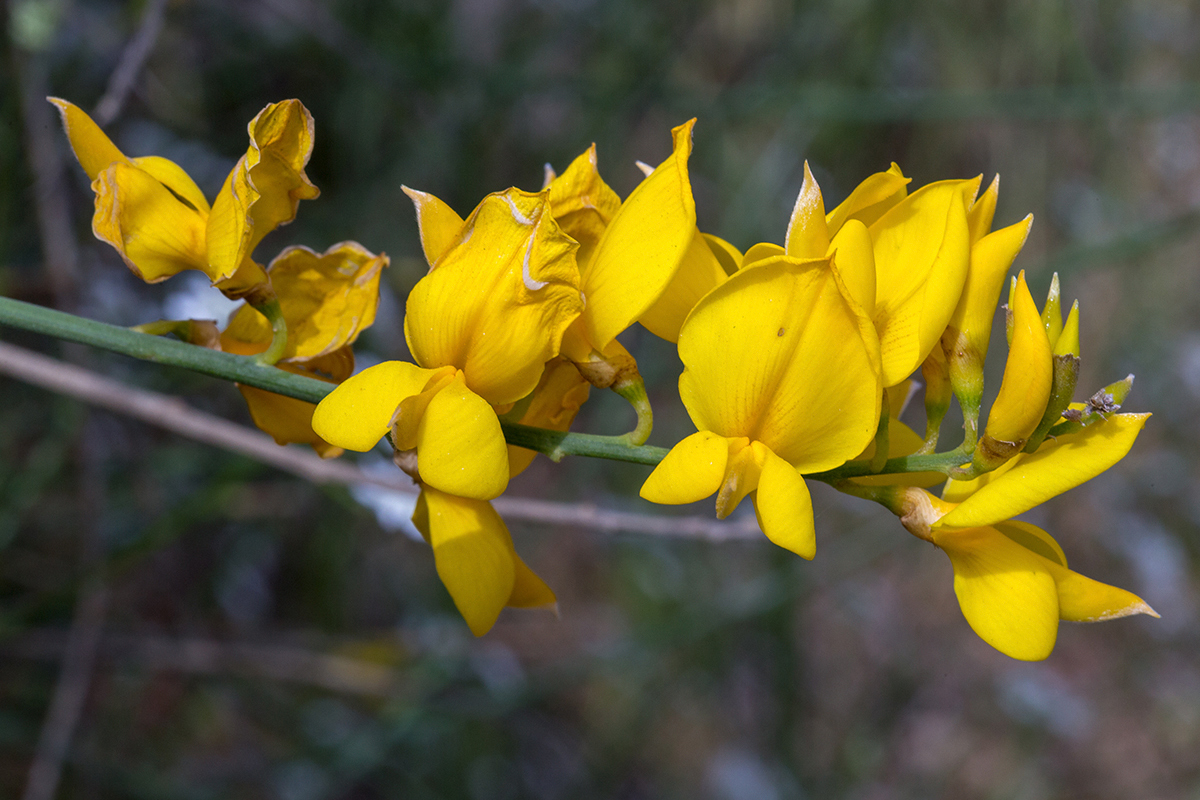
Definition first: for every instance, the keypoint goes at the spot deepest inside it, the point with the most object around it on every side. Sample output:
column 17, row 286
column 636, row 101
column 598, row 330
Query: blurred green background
column 262, row 637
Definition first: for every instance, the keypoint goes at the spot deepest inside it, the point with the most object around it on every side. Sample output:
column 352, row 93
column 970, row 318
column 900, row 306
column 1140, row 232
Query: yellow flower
column 781, row 378
column 1013, row 586
column 475, row 558
column 481, row 326
column 159, row 220
column 327, row 299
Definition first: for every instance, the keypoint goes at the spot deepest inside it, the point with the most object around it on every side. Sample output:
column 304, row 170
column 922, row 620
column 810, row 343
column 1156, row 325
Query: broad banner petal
column 358, row 413
column 642, row 247
column 698, row 274
column 499, row 300
column 171, row 175
column 460, row 447
column 784, row 507
column 778, row 354
column 692, row 470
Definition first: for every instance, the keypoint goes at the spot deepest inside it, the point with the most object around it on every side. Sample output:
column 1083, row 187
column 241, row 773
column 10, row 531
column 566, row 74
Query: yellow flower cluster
column 798, row 358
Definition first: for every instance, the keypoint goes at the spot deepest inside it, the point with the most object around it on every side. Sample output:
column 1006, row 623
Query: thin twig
column 176, row 416
column 133, row 58
column 209, row 657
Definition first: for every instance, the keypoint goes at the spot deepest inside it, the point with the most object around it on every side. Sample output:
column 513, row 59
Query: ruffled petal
column 358, row 413
column 921, row 257
column 692, row 470
column 1005, row 591
column 473, row 552
column 157, row 235
column 438, row 223
column 500, row 299
column 93, row 149
column 784, row 507
column 698, row 274
column 460, row 447
column 265, row 188
column 642, row 247
column 778, row 354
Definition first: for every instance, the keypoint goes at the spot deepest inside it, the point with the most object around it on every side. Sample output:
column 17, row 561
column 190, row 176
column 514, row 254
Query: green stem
column 247, row 370
column 270, row 309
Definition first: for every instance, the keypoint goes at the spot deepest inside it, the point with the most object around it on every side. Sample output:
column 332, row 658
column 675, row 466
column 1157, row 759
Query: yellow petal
column 460, row 447
column 742, row 471
column 779, row 354
column 1028, row 374
column 286, row 419
column 921, row 257
column 1068, row 340
column 983, row 210
column 1030, row 479
column 94, row 151
column 1005, row 591
column 761, row 252
column 870, row 200
column 500, row 299
column 157, row 235
column 358, row 413
column 1081, row 599
column 698, row 273
column 529, row 590
column 854, row 255
column 642, row 247
column 807, row 234
column 557, row 399
column 583, row 205
column 692, row 470
column 171, row 175
column 991, row 256
column 437, row 222
column 726, row 254
column 265, row 188
column 406, row 422
column 784, row 507
column 473, row 552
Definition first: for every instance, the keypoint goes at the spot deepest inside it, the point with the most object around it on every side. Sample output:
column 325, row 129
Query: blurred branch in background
column 176, row 416
column 133, row 58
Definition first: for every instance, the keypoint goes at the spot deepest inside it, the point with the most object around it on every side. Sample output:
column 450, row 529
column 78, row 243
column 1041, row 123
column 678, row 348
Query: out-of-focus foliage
column 677, row 669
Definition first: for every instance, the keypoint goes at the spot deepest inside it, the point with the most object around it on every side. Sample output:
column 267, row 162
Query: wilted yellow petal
column 698, row 273
column 358, row 413
column 583, row 205
column 871, row 199
column 1006, row 592
column 265, row 188
column 1029, row 479
column 554, row 403
column 692, row 470
column 807, row 234
column 473, row 552
column 286, row 419
column 1028, row 374
column 93, row 149
column 921, row 257
column 500, row 299
column 438, row 224
column 642, row 247
column 460, row 447
column 784, row 507
column 157, row 235
column 729, row 257
column 171, row 175
column 779, row 354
